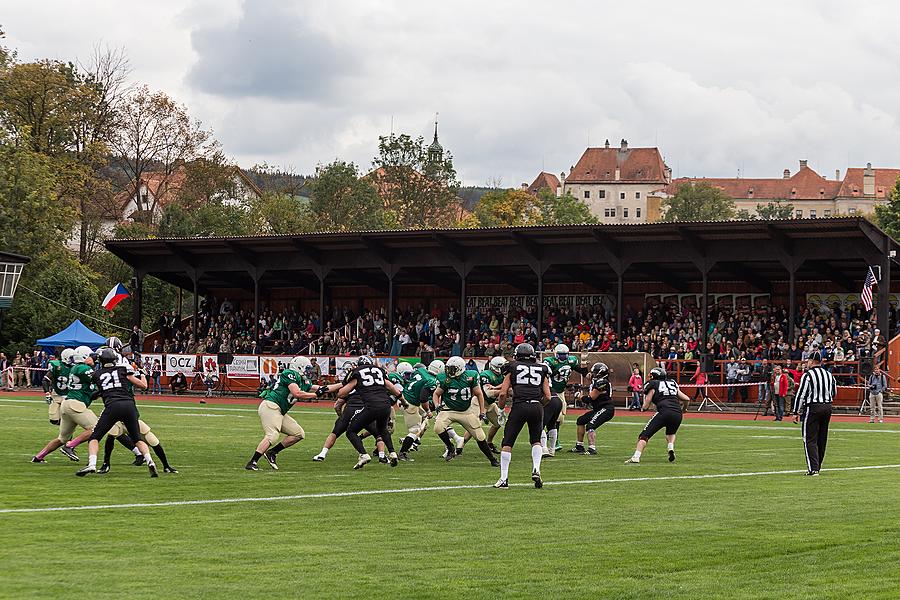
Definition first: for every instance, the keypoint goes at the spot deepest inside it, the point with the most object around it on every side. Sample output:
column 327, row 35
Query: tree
column 501, row 208
column 563, row 210
column 283, row 214
column 342, row 201
column 214, row 218
column 887, row 216
column 779, row 209
column 418, row 187
column 698, row 202
column 156, row 133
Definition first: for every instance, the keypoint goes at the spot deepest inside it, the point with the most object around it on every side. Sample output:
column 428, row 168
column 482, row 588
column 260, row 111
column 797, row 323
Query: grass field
column 732, row 518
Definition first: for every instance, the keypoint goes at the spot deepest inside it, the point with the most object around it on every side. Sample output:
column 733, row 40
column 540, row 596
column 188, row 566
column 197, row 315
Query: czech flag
column 115, row 295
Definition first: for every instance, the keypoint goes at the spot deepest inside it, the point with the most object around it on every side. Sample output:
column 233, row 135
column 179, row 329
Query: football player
column 530, row 383
column 561, row 365
column 56, row 381
column 454, row 396
column 602, row 409
column 293, row 384
column 118, row 432
column 663, row 392
column 490, row 380
column 372, row 384
column 418, row 387
column 75, row 409
column 115, row 383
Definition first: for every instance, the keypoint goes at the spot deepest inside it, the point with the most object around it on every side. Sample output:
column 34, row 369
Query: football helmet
column 404, row 370
column 525, row 352
column 109, row 357
column 436, row 367
column 65, row 356
column 365, row 360
column 599, row 371
column 81, row 354
column 657, row 373
column 115, row 343
column 498, row 364
column 561, row 352
column 456, row 366
column 302, row 365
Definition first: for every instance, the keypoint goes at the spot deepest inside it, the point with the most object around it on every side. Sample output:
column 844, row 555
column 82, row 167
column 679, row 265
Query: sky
column 721, row 88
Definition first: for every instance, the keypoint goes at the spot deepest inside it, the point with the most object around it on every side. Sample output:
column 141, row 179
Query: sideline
column 439, row 488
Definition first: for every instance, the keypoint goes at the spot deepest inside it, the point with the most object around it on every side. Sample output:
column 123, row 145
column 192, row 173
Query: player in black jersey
column 665, row 394
column 114, row 382
column 601, row 410
column 376, row 391
column 346, row 408
column 529, row 381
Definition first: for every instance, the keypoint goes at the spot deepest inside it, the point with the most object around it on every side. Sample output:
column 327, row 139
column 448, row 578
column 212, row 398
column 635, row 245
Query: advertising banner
column 147, row 361
column 243, row 366
column 181, row 363
column 210, row 363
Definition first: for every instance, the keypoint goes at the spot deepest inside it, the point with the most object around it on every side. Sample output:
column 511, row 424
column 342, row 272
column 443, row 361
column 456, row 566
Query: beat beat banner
column 181, row 363
column 243, row 366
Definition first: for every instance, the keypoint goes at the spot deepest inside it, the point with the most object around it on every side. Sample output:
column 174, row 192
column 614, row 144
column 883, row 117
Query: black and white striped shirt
column 817, row 386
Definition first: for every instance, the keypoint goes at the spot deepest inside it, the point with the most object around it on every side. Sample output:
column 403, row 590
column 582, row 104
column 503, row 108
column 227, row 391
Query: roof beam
column 307, row 249
column 692, row 240
column 188, row 257
column 611, row 245
column 533, row 249
column 373, row 281
column 829, row 273
column 657, row 273
column 451, row 284
column 504, row 275
column 450, row 246
column 376, row 248
column 248, row 256
column 742, row 271
column 580, row 275
column 781, row 238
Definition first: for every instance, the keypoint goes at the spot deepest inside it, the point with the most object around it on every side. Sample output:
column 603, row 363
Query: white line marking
column 436, row 488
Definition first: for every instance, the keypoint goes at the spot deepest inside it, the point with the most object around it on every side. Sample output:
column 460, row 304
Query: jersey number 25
column 529, row 374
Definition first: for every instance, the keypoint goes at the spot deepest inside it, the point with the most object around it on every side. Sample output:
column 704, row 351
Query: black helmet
column 365, row 360
column 525, row 352
column 108, row 357
column 657, row 373
column 599, row 371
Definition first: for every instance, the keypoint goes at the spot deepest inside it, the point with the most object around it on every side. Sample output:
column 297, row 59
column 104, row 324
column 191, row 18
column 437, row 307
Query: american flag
column 866, row 295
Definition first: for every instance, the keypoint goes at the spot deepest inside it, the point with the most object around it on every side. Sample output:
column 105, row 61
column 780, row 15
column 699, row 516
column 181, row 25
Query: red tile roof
column 636, row 165
column 805, row 184
column 542, row 181
column 853, row 182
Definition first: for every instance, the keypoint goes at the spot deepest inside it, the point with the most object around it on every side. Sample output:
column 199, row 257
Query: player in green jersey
column 418, row 387
column 490, row 381
column 56, row 382
column 292, row 385
column 454, row 395
column 561, row 366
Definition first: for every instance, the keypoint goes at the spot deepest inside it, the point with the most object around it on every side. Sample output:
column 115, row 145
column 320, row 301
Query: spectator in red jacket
column 780, row 388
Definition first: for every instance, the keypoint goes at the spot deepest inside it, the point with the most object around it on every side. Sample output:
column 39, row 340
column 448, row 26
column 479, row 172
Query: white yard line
column 438, row 488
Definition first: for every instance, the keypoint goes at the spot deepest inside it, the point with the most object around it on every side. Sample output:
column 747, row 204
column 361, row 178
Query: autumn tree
column 340, row 200
column 698, row 201
column 501, row 208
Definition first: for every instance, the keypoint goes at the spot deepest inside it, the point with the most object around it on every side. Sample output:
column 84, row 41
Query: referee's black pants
column 816, row 417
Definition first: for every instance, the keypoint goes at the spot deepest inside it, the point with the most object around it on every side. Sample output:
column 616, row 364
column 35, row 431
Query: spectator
column 155, row 376
column 878, row 386
column 178, row 383
column 743, row 377
column 18, row 370
column 781, row 386
column 636, row 386
column 732, row 370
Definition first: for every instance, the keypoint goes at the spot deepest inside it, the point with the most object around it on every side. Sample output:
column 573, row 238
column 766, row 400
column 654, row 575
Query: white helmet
column 561, row 351
column 66, row 356
column 405, row 370
column 497, row 364
column 455, row 366
column 81, row 354
column 302, row 365
column 436, row 367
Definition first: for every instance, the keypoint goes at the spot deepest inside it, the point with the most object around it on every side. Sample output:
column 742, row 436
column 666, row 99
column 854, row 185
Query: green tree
column 500, row 208
column 418, row 183
column 563, row 210
column 698, row 202
column 282, row 214
column 887, row 216
column 779, row 209
column 342, row 201
column 212, row 219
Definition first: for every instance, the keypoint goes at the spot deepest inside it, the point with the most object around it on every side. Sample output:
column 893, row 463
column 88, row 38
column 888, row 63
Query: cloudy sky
column 719, row 87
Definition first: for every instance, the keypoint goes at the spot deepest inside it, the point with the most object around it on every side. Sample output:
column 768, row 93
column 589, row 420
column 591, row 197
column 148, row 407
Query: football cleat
column 558, row 447
column 404, row 457
column 536, row 478
column 578, row 449
column 415, row 446
column 35, row 459
column 671, row 456
column 169, row 469
column 495, row 462
column 383, row 460
column 104, row 469
column 364, row 459
column 633, row 461
column 86, row 471
column 271, row 458
column 319, row 457
column 450, row 455
column 251, row 466
column 153, row 471
column 69, row 452
column 493, row 449
column 138, row 460
column 502, row 484
column 393, row 459
column 592, row 451
column 545, row 454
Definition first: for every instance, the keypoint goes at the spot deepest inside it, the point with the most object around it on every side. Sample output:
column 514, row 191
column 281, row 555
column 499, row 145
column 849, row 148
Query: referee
column 813, row 404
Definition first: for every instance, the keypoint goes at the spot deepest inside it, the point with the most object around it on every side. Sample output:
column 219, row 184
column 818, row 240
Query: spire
column 435, row 150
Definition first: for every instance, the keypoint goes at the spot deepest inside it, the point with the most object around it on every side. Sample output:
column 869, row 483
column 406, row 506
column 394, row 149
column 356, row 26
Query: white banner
column 270, row 366
column 323, row 363
column 342, row 365
column 147, row 361
column 210, row 363
column 181, row 363
column 243, row 366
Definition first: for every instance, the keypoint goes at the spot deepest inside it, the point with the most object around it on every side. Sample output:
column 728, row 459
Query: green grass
column 762, row 536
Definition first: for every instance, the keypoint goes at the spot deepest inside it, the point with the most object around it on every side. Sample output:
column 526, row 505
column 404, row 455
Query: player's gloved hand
column 48, row 398
column 501, row 420
column 320, row 391
column 483, row 418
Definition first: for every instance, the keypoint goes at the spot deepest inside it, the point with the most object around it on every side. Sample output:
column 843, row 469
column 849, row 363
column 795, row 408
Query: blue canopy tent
column 76, row 334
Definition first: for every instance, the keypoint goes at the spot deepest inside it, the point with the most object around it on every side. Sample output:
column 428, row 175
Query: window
column 827, row 212
column 799, row 214
column 587, row 194
column 637, row 213
column 612, row 212
column 621, row 195
column 637, row 196
column 625, row 212
column 812, row 214
column 852, row 210
column 606, row 213
column 601, row 194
